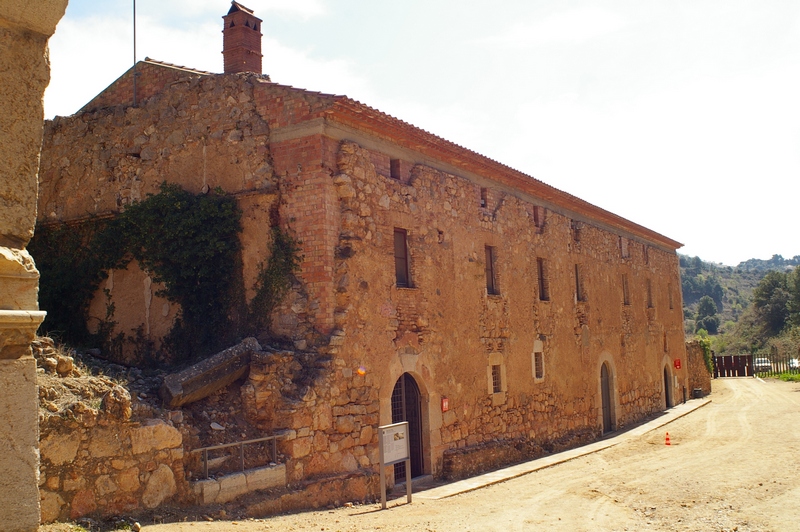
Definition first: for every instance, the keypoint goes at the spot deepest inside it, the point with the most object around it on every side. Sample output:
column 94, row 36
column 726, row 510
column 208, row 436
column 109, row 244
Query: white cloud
column 573, row 26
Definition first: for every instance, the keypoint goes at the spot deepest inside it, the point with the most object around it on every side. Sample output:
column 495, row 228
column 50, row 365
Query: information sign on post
column 394, row 448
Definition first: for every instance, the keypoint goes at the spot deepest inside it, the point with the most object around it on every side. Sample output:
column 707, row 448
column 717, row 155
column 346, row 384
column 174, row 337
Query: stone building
column 501, row 317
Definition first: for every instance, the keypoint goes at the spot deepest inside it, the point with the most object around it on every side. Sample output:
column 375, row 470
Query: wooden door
column 407, row 406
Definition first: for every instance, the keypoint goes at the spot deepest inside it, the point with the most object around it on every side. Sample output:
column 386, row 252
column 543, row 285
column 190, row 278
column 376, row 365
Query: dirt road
column 732, row 465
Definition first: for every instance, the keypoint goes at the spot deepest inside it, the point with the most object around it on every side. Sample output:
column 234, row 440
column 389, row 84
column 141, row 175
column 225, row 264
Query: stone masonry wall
column 202, row 133
column 699, row 376
column 447, row 331
column 328, row 428
column 97, row 462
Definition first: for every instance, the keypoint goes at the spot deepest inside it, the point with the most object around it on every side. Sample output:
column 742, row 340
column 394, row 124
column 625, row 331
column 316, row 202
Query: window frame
column 402, row 264
column 542, row 279
column 492, row 287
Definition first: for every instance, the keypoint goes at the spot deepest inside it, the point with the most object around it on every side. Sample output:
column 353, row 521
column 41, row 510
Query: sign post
column 394, row 448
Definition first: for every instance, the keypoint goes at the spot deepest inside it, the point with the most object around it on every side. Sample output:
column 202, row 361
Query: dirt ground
column 732, row 466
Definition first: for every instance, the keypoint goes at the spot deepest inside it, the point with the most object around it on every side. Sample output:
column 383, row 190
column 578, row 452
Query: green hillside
column 752, row 307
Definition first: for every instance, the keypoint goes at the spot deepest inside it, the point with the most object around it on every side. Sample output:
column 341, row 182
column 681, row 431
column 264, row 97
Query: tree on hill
column 771, row 302
column 706, row 317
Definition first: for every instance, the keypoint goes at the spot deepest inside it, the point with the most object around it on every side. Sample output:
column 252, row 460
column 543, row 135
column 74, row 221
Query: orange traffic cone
column 666, row 442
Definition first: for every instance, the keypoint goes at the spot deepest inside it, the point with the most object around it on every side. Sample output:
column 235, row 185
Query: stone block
column 19, row 457
column 210, row 375
column 51, row 504
column 83, row 503
column 266, row 477
column 231, row 486
column 128, row 480
column 60, row 449
column 104, row 485
column 160, row 486
column 301, row 447
column 154, row 435
column 105, row 443
column 206, row 491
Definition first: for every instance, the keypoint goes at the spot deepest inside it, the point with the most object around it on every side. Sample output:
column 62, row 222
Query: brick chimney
column 241, row 40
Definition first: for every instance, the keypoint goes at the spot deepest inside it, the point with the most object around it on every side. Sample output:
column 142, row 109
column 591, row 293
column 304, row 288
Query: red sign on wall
column 445, row 404
column 677, row 363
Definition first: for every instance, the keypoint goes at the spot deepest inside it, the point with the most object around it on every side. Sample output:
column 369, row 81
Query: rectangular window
column 623, row 247
column 491, row 278
column 394, row 168
column 544, row 282
column 626, row 294
column 484, row 197
column 580, row 294
column 649, row 294
column 497, row 386
column 401, row 269
column 537, row 216
column 646, row 250
column 538, row 365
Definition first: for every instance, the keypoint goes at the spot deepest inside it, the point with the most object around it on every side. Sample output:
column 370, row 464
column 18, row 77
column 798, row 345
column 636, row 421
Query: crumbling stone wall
column 327, row 411
column 202, row 133
column 699, row 376
column 101, row 452
column 95, row 465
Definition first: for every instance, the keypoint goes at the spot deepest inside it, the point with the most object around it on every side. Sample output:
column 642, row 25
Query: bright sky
column 680, row 115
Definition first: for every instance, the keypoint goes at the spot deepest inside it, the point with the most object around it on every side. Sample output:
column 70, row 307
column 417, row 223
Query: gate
column 733, row 366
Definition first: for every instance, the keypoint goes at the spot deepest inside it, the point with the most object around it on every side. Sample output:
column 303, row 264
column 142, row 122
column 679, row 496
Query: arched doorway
column 667, row 390
column 605, row 393
column 407, row 406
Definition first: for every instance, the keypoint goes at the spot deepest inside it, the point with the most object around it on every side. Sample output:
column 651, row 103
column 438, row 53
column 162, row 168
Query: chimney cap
column 236, row 6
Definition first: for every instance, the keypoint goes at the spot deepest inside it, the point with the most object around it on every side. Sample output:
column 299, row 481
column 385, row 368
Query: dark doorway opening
column 605, row 392
column 667, row 394
column 406, row 406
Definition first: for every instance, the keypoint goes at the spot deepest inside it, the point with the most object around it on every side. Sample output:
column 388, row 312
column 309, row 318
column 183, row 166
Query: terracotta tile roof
column 176, row 67
column 361, row 116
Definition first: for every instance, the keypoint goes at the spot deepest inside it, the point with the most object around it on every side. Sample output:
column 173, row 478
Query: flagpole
column 134, row 53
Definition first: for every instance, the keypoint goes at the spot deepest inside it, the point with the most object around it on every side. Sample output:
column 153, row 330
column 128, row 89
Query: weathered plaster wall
column 25, row 28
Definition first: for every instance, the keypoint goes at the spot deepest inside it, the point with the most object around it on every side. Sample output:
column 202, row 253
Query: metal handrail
column 241, row 445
